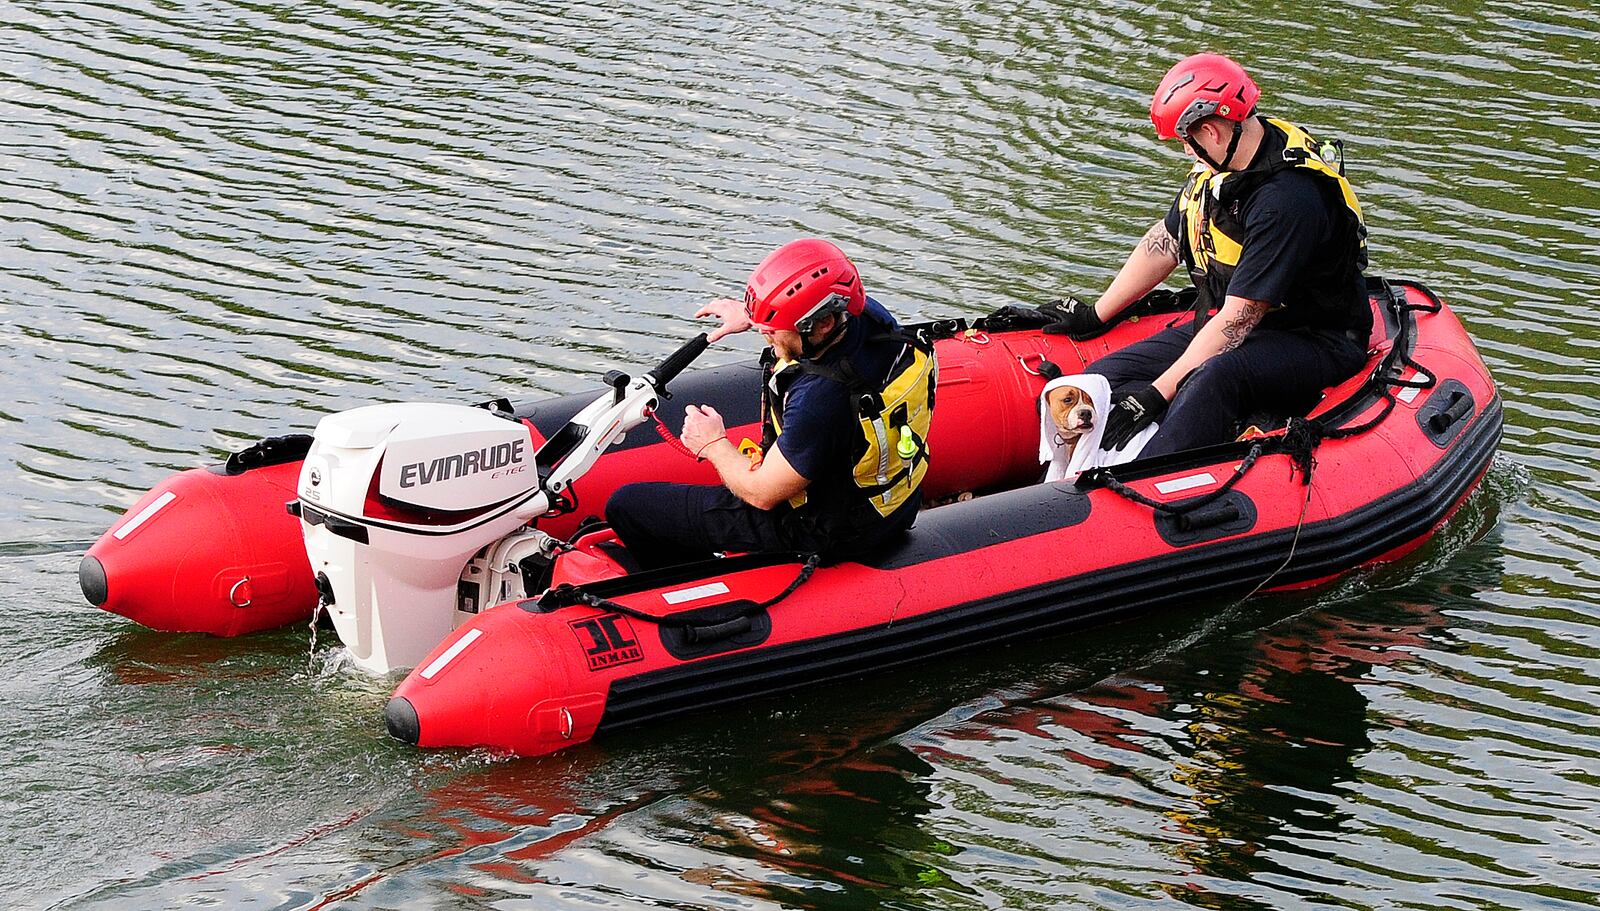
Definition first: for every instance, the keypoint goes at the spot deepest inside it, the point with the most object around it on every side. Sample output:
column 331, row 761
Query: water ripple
column 227, row 218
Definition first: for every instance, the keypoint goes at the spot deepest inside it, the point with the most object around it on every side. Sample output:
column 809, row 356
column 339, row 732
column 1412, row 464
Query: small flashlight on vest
column 907, row 447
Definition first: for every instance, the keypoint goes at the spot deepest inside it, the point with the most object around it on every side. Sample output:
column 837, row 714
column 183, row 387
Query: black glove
column 1073, row 318
column 1131, row 414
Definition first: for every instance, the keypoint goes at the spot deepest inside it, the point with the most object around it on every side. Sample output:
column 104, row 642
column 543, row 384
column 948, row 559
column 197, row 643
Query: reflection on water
column 224, row 220
column 1244, row 757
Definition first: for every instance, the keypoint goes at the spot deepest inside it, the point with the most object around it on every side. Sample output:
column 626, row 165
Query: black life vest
column 1212, row 236
column 893, row 414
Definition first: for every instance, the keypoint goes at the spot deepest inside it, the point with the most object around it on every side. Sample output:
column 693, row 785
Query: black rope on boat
column 269, row 451
column 1187, row 506
column 1386, row 378
column 568, row 595
column 1300, row 441
column 1294, row 542
column 811, row 564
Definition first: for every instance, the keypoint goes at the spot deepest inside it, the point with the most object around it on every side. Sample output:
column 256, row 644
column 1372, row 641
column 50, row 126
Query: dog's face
column 1071, row 410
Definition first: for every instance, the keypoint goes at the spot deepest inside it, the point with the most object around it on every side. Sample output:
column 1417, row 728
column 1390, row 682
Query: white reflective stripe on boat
column 1189, row 483
column 144, row 515
column 694, row 594
column 1409, row 393
column 450, row 653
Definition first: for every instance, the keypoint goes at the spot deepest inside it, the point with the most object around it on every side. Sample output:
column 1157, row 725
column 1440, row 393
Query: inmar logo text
column 607, row 641
column 461, row 464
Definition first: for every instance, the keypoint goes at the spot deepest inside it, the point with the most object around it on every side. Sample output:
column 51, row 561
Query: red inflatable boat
column 1381, row 462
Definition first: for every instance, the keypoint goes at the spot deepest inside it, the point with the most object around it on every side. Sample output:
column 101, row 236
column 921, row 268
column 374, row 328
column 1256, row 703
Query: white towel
column 1087, row 453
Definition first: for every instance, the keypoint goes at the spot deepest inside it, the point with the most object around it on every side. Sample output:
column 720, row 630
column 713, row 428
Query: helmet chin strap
column 1233, row 146
column 809, row 351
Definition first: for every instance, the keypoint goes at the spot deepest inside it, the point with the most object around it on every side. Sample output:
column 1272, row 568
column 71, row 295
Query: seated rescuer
column 1271, row 233
column 847, row 397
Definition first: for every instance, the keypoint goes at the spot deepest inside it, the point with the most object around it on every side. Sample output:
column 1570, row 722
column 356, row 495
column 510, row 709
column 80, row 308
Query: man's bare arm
column 1224, row 332
column 1157, row 242
column 1236, row 327
column 1152, row 260
column 765, row 487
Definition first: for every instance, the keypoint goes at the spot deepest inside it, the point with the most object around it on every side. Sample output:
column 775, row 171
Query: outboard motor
column 394, row 501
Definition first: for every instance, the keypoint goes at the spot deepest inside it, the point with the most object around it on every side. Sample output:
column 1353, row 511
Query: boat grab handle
column 695, row 635
column 1460, row 405
column 1209, row 517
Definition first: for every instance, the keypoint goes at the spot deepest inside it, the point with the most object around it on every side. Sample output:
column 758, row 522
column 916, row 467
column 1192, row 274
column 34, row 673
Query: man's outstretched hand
column 732, row 314
column 1131, row 414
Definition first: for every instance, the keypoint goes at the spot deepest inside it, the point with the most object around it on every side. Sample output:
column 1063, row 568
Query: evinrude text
column 462, row 464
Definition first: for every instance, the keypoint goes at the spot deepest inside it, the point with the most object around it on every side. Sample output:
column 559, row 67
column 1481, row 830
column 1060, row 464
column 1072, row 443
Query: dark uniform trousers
column 662, row 524
column 1278, row 371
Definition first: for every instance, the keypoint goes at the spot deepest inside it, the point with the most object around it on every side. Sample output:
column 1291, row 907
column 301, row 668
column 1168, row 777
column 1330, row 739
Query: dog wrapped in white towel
column 1072, row 411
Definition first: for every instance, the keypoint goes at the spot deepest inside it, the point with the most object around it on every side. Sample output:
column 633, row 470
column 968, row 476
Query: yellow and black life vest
column 1212, row 234
column 893, row 414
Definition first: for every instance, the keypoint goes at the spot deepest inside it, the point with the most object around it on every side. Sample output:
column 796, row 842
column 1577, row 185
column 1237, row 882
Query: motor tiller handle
column 674, row 364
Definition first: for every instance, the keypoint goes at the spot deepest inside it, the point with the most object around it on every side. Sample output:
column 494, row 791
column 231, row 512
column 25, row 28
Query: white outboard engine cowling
column 394, row 501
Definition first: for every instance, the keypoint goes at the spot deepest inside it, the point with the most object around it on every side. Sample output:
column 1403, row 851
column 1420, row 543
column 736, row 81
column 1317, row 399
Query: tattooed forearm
column 1236, row 327
column 1157, row 242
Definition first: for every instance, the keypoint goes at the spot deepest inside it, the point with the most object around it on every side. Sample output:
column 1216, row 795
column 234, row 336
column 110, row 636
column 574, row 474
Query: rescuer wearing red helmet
column 1273, row 239
column 847, row 399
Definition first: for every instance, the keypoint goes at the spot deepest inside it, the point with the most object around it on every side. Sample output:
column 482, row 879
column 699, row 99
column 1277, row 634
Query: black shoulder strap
column 920, row 336
column 843, row 373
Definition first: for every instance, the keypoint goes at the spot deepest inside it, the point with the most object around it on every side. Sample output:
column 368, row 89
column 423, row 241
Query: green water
column 223, row 220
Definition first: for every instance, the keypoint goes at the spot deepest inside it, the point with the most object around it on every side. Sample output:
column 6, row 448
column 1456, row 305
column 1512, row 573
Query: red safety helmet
column 1201, row 86
column 801, row 282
